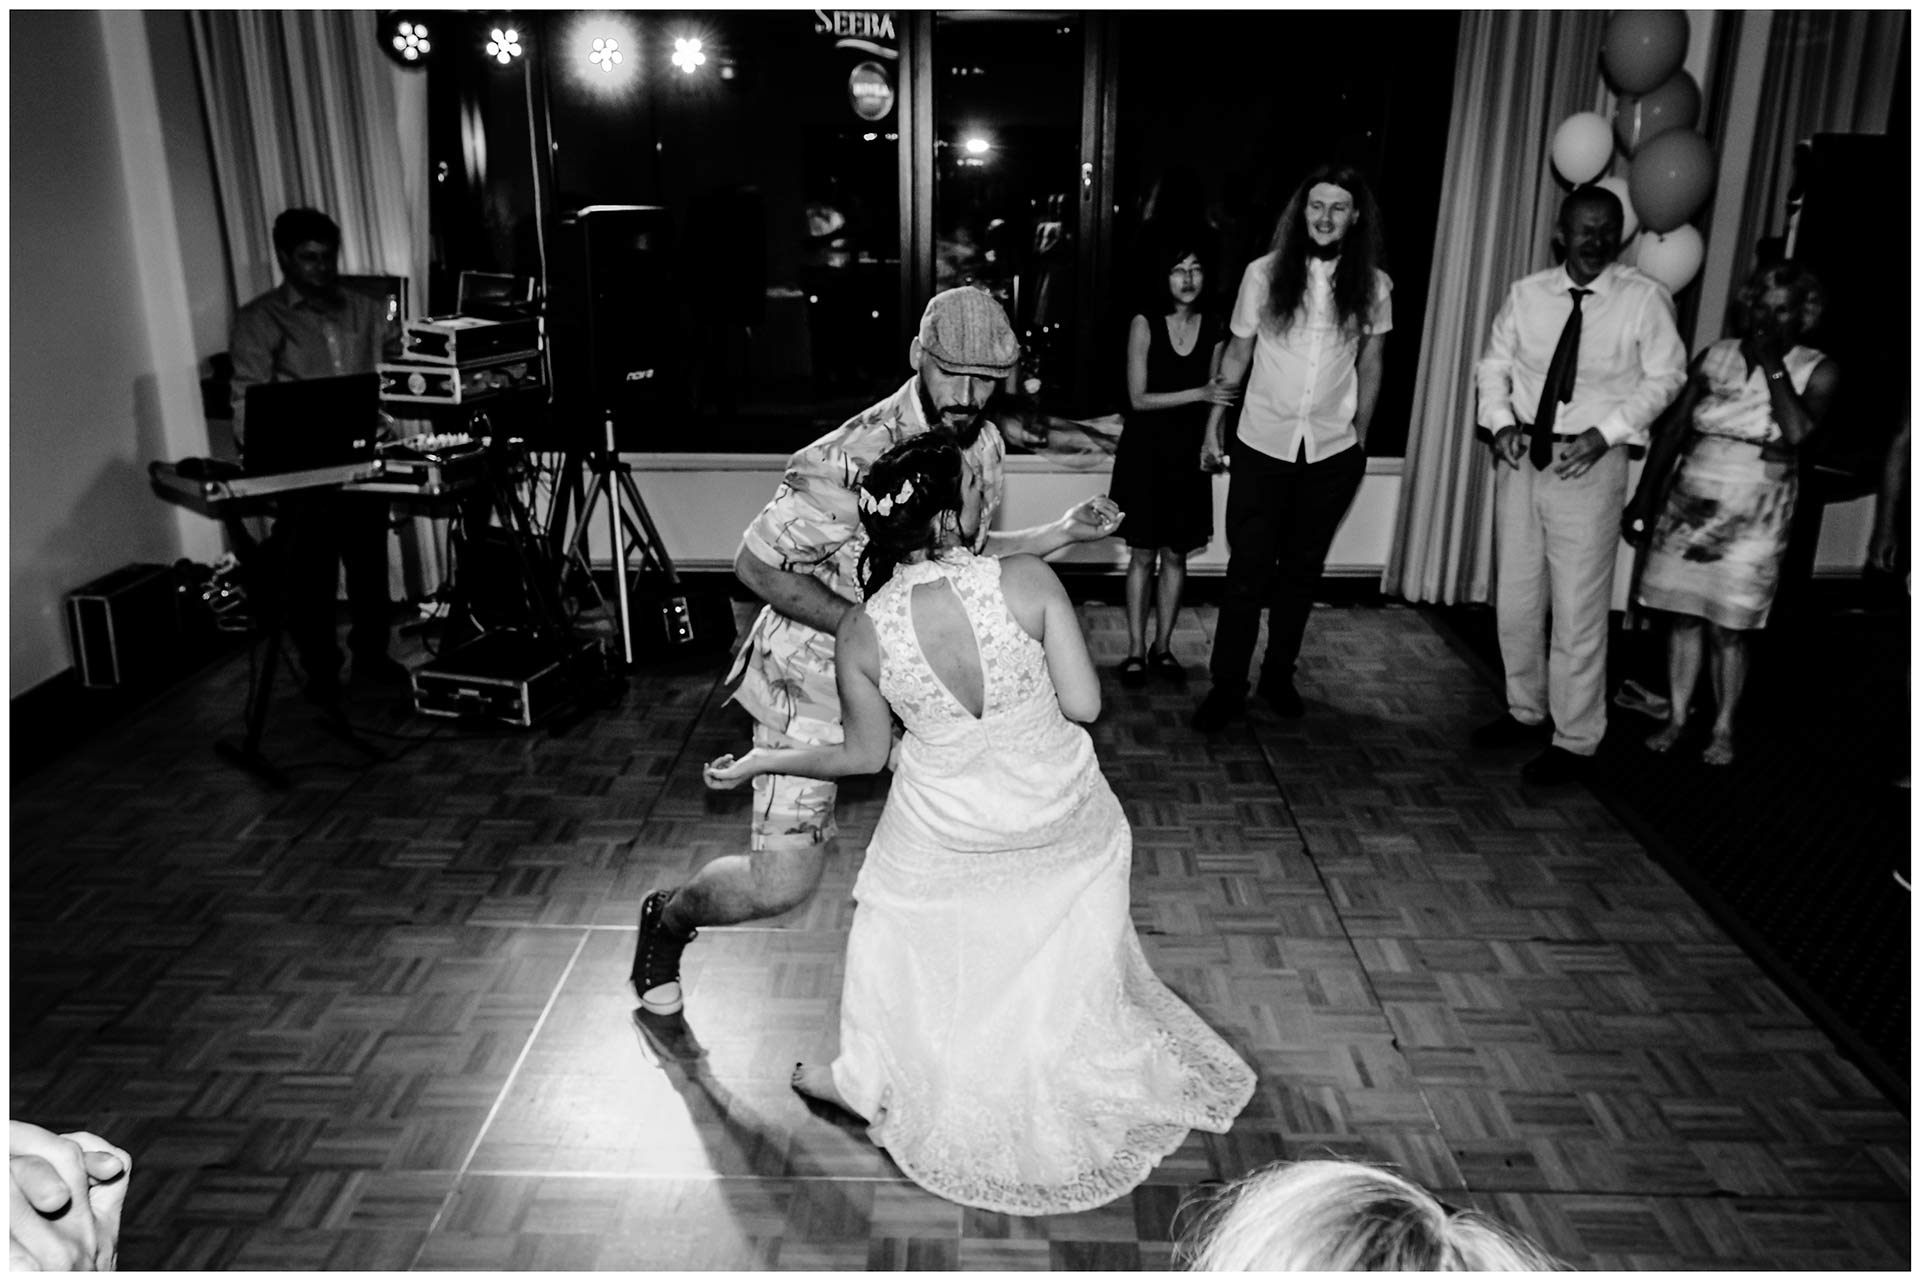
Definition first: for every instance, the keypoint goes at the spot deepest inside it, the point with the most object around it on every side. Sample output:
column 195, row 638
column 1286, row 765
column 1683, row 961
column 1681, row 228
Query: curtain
column 1517, row 76
column 303, row 108
column 1828, row 71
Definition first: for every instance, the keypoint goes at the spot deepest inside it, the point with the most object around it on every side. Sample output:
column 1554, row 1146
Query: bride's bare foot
column 817, row 1083
column 1667, row 737
column 1720, row 750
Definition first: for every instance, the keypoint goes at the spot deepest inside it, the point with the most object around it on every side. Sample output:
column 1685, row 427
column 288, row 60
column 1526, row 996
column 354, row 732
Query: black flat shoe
column 1508, row 732
column 1133, row 672
column 1217, row 708
column 1163, row 664
column 1556, row 766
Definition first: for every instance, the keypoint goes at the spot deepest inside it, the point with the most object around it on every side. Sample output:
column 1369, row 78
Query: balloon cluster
column 1670, row 170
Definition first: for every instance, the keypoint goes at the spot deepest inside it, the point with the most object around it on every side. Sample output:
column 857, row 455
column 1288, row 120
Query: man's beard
column 961, row 423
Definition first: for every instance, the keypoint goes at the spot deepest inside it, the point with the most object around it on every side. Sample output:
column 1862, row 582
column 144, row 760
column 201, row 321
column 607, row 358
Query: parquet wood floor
column 379, row 1021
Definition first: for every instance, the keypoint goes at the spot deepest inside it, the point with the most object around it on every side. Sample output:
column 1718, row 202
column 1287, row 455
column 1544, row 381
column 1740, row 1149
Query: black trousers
column 1281, row 518
column 316, row 534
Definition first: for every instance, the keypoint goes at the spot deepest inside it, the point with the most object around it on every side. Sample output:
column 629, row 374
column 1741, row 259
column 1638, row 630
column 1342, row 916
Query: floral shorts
column 791, row 812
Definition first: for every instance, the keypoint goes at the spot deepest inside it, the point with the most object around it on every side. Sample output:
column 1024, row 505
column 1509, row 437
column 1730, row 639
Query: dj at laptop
column 312, row 328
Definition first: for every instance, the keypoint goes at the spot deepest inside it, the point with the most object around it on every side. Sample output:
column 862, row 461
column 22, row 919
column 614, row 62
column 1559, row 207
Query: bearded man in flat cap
column 800, row 556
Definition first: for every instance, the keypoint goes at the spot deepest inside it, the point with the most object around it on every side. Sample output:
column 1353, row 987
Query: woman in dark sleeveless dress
column 1173, row 349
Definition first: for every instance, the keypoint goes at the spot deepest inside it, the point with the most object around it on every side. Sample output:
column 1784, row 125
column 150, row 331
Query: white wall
column 90, row 403
column 701, row 502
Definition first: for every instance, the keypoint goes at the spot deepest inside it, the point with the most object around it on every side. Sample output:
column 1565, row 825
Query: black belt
column 1527, row 429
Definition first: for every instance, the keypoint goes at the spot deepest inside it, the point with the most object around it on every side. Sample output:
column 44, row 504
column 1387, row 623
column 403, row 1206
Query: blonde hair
column 1343, row 1216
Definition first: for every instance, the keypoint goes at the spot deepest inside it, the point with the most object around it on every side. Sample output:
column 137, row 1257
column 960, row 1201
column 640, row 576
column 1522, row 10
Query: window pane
column 777, row 157
column 1006, row 109
column 1280, row 93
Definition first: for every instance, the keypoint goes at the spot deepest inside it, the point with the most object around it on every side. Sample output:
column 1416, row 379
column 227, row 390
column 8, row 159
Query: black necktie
column 1558, row 389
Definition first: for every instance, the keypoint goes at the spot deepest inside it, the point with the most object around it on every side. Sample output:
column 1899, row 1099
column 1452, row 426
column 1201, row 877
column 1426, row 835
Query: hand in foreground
column 64, row 1201
column 1588, row 448
column 1510, row 446
column 1212, row 457
column 1097, row 517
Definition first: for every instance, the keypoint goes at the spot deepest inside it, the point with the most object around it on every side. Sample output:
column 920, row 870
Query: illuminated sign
column 863, row 24
column 870, row 91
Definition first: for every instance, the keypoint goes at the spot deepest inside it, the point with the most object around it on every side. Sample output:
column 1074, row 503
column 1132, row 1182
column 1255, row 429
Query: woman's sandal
column 1133, row 672
column 1163, row 663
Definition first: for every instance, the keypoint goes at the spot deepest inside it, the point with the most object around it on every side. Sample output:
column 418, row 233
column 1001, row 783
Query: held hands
column 1097, row 517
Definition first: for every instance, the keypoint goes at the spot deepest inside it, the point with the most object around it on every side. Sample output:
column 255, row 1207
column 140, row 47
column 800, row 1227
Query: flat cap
column 966, row 332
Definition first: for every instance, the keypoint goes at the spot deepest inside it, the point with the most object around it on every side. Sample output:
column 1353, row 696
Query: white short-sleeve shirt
column 1305, row 384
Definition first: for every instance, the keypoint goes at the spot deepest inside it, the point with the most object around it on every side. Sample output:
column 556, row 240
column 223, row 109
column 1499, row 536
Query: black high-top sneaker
column 656, row 957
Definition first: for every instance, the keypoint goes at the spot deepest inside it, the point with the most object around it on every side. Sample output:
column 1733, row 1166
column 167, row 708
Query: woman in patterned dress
column 1719, row 519
column 1000, row 1030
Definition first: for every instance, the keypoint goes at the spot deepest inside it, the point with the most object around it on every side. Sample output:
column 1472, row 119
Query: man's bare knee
column 783, row 879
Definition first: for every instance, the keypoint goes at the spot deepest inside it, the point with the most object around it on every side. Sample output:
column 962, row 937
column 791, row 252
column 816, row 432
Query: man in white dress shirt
column 1311, row 319
column 1582, row 359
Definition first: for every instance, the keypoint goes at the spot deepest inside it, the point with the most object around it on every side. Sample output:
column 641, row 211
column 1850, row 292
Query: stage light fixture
column 410, row 41
column 687, row 54
column 978, row 146
column 504, row 46
column 605, row 53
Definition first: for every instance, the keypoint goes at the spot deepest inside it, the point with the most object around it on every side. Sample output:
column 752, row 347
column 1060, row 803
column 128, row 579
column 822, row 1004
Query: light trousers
column 1554, row 546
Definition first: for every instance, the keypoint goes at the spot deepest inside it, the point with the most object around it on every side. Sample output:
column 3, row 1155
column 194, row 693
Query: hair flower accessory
column 885, row 506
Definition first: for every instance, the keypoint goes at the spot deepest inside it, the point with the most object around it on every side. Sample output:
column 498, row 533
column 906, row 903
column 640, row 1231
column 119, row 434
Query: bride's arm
column 1043, row 608
column 864, row 717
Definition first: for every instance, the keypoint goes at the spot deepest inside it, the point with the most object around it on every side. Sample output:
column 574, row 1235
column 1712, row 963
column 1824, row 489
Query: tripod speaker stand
column 615, row 351
column 661, row 619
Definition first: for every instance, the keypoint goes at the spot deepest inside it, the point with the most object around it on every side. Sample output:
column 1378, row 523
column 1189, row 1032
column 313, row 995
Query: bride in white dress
column 1000, row 1030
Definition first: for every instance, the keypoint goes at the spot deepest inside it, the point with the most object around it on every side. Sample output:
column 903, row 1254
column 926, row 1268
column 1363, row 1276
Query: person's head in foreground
column 919, row 499
column 1342, row 1216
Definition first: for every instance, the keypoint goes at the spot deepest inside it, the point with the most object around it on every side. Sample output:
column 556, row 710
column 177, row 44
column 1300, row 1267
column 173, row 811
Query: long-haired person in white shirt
column 1311, row 321
column 1581, row 360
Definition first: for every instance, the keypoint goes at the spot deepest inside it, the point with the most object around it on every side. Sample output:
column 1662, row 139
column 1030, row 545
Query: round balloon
column 1618, row 186
column 1642, row 47
column 1670, row 178
column 1672, row 258
column 1675, row 104
column 1581, row 147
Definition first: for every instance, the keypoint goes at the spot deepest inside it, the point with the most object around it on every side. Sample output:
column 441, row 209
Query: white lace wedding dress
column 999, row 1025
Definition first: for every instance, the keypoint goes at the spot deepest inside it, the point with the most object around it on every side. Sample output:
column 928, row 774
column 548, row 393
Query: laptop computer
column 317, row 422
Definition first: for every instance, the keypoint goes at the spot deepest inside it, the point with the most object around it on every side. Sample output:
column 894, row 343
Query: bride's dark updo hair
column 902, row 498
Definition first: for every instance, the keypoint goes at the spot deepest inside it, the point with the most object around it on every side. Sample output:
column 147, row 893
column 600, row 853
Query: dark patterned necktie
column 1558, row 389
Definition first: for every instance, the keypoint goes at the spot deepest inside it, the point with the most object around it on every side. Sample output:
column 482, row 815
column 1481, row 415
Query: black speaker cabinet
column 614, row 322
column 1853, row 230
column 124, row 627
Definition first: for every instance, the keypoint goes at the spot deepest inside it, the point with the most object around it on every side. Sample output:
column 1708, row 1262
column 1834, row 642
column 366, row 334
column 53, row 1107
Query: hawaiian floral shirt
column 812, row 526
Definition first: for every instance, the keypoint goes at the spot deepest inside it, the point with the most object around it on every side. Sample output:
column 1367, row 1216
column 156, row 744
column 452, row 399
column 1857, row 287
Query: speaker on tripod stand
column 617, row 376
